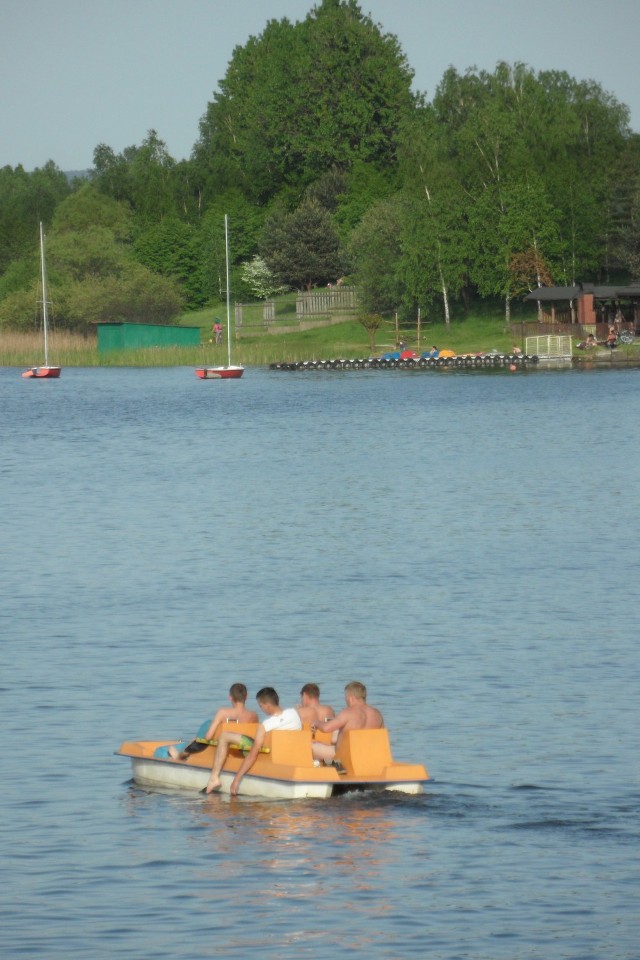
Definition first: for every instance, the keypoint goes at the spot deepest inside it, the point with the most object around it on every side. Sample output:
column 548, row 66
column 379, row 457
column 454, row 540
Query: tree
column 302, row 248
column 376, row 254
column 302, row 99
column 623, row 208
column 143, row 176
column 170, row 249
column 259, row 279
column 25, row 200
column 626, row 243
column 87, row 208
column 91, row 271
column 111, row 173
column 504, row 226
column 517, row 161
column 371, row 323
column 364, row 186
column 137, row 296
column 208, row 282
column 435, row 225
column 529, row 270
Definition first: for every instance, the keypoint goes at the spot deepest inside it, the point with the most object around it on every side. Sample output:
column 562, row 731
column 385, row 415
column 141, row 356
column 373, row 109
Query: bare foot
column 174, row 753
column 214, row 784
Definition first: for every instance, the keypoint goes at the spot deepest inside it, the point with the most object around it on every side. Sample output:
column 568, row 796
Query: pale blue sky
column 75, row 73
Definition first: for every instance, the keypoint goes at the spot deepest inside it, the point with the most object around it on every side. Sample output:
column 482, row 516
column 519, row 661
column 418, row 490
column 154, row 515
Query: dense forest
column 328, row 165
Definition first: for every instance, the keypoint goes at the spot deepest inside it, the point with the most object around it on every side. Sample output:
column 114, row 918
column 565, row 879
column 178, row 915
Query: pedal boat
column 284, row 769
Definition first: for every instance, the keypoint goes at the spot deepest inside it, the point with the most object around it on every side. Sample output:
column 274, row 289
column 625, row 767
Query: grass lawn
column 483, row 331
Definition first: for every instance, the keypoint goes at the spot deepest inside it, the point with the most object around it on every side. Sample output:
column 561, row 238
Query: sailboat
column 230, row 372
column 46, row 371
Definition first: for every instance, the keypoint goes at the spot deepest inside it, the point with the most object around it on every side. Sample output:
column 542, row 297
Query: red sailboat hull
column 42, row 373
column 219, row 373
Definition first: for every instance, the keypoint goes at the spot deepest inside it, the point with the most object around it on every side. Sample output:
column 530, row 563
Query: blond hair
column 357, row 690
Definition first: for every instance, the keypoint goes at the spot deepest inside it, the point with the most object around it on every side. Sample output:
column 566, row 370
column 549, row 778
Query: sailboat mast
column 45, row 306
column 226, row 248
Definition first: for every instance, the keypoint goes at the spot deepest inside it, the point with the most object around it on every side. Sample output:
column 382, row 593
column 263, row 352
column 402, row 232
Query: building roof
column 554, row 293
column 549, row 294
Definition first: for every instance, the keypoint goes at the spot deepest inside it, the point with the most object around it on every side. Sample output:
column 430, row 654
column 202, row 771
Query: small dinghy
column 46, row 371
column 231, row 371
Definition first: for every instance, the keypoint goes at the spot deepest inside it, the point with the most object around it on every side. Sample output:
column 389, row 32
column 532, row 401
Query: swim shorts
column 195, row 747
column 245, row 742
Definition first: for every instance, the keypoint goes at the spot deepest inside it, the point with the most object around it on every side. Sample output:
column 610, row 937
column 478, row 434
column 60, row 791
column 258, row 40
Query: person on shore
column 357, row 715
column 612, row 338
column 310, row 710
column 238, row 713
column 217, row 331
column 589, row 342
column 277, row 719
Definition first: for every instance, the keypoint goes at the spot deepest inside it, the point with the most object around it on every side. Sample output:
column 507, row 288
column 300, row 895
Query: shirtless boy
column 310, row 709
column 238, row 713
column 357, row 715
column 277, row 719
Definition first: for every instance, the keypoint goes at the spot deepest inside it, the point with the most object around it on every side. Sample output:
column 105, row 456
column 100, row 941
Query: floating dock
column 482, row 361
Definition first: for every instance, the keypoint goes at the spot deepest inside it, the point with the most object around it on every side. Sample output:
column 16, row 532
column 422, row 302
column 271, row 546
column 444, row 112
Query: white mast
column 45, row 317
column 226, row 247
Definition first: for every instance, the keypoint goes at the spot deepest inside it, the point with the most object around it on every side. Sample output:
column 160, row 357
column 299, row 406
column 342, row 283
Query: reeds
column 343, row 340
column 18, row 349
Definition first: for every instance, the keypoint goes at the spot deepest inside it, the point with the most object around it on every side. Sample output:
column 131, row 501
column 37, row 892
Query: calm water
column 464, row 543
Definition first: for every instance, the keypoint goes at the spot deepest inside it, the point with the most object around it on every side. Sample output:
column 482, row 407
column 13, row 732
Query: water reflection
column 298, row 849
column 287, row 834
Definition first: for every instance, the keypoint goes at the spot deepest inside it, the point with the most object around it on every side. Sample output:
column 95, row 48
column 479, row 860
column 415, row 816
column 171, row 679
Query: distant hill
column 72, row 175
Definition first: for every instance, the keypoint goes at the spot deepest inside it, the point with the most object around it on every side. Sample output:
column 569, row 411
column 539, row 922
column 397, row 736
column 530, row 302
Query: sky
column 77, row 73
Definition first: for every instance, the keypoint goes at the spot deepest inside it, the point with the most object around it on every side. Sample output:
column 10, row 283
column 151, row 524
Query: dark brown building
column 589, row 305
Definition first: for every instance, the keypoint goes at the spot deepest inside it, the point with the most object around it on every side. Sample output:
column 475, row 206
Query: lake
column 463, row 542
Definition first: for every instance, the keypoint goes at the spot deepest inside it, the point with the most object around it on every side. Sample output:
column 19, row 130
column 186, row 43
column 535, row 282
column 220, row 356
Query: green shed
column 138, row 336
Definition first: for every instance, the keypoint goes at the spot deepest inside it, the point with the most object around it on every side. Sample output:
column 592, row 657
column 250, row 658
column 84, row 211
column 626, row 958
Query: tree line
column 329, row 165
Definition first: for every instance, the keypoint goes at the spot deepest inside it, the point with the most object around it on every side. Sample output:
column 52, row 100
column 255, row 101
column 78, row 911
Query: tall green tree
column 25, row 200
column 435, row 226
column 526, row 162
column 376, row 254
column 301, row 99
column 144, row 176
column 303, row 248
column 245, row 222
column 169, row 248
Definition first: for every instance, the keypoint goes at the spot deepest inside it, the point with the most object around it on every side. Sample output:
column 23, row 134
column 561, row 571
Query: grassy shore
column 347, row 340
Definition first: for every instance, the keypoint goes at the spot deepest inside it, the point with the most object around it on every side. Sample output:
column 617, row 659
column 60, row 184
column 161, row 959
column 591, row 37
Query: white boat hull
column 284, row 768
column 167, row 773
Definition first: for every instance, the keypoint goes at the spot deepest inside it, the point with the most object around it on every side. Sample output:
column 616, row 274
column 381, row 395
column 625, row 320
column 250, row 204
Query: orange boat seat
column 290, row 747
column 365, row 752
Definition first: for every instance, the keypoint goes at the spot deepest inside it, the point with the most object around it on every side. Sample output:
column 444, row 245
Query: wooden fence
column 324, row 306
column 333, row 300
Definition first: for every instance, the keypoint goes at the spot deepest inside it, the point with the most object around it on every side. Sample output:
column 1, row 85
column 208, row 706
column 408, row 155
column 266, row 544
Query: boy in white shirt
column 277, row 719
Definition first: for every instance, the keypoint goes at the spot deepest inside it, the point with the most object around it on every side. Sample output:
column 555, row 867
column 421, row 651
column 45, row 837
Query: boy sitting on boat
column 238, row 712
column 310, row 709
column 277, row 719
column 357, row 715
